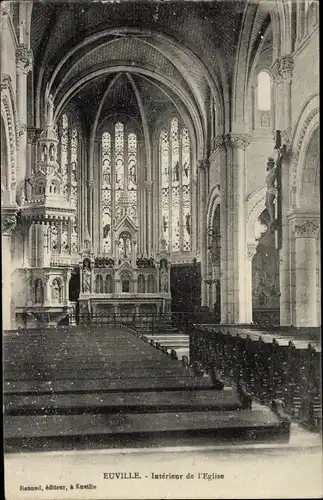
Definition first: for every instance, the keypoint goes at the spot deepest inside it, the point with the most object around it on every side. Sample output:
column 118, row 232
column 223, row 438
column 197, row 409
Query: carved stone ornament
column 33, row 134
column 306, row 228
column 275, row 71
column 204, row 164
column 8, row 223
column 251, row 250
column 5, row 81
column 286, row 65
column 219, row 143
column 237, row 141
column 24, row 58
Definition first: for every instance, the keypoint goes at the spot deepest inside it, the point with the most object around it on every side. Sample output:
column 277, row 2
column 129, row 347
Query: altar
column 124, row 284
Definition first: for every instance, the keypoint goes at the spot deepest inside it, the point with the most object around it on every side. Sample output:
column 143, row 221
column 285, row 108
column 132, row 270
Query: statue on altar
column 124, row 245
column 56, row 291
column 163, row 276
column 86, row 282
column 271, row 192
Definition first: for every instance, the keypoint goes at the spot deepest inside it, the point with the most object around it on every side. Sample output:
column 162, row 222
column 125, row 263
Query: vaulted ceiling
column 159, row 56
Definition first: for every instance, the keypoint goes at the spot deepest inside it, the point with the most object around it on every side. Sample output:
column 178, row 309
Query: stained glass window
column 164, row 159
column 132, row 174
column 119, row 164
column 186, row 189
column 119, row 179
column 106, row 191
column 175, row 151
column 175, row 184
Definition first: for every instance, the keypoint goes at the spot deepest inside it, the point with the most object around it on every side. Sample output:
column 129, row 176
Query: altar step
column 121, row 402
column 55, row 431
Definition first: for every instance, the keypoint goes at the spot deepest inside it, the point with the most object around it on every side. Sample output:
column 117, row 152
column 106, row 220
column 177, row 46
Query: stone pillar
column 234, row 262
column 8, row 223
column 47, row 290
column 90, row 209
column 149, row 225
column 24, row 62
column 286, row 73
column 251, row 251
column 305, row 232
column 202, row 172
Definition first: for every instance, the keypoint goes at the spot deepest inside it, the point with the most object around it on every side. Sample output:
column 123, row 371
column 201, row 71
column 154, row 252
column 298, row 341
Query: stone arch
column 5, row 171
column 166, row 45
column 255, row 207
column 141, row 284
column 307, row 124
column 98, row 283
column 308, row 190
column 109, row 284
column 214, row 201
column 150, row 284
column 143, row 71
column 312, row 15
column 10, row 121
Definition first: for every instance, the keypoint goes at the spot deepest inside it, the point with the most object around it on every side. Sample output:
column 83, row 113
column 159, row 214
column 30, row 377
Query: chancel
column 160, row 219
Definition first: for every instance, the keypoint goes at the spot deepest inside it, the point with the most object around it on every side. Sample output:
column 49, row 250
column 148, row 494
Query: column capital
column 286, row 65
column 304, row 225
column 275, row 71
column 282, row 68
column 24, row 58
column 306, row 228
column 237, row 141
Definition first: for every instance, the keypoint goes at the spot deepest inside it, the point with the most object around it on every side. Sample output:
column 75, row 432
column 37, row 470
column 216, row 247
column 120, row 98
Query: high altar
column 125, row 284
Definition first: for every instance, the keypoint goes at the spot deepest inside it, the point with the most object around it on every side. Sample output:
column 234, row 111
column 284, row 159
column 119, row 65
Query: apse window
column 176, row 174
column 264, row 91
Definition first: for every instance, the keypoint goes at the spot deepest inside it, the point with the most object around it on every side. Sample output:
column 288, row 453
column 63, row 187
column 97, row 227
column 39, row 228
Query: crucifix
column 273, row 193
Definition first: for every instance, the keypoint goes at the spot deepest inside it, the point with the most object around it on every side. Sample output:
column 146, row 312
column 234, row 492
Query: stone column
column 236, row 255
column 202, row 172
column 251, row 251
column 24, row 62
column 305, row 232
column 8, row 223
column 67, row 277
column 47, row 290
column 286, row 72
column 149, row 225
column 90, row 210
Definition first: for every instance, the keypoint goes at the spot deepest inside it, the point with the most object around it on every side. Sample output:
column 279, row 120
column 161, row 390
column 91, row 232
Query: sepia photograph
column 160, row 249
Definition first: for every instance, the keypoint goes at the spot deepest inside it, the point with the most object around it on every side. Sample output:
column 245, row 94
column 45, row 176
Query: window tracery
column 119, row 164
column 175, row 170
